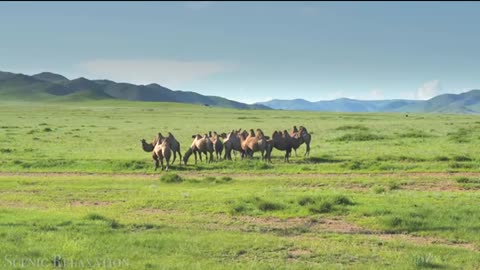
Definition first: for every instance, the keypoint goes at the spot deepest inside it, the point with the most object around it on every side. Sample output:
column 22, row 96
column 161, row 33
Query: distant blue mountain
column 468, row 102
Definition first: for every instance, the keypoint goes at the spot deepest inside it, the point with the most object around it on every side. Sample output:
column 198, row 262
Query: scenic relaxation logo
column 59, row 262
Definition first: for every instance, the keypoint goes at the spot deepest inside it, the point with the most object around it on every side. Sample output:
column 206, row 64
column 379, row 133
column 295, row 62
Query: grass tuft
column 171, row 178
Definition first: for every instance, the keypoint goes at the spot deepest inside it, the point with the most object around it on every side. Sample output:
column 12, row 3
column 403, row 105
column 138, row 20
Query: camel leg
column 195, row 153
column 161, row 162
column 180, row 154
column 155, row 161
column 175, row 157
column 307, row 152
column 167, row 165
column 295, row 151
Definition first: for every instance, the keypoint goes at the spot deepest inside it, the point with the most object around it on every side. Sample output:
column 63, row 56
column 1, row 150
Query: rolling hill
column 50, row 86
column 468, row 102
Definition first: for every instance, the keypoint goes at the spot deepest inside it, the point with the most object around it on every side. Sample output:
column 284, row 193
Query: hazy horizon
column 252, row 51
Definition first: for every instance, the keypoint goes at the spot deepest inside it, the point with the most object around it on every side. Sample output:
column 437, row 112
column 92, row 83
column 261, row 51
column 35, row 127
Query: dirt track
column 242, row 175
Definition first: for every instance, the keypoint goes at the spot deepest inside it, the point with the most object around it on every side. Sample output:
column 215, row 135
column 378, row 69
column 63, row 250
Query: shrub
column 47, row 129
column 354, row 127
column 462, row 158
column 306, row 200
column 441, row 158
column 95, row 216
column 269, row 206
column 460, row 136
column 226, row 179
column 414, row 134
column 425, row 261
column 342, row 200
column 378, row 189
column 359, row 136
column 171, row 178
column 321, row 207
column 393, row 185
column 114, row 224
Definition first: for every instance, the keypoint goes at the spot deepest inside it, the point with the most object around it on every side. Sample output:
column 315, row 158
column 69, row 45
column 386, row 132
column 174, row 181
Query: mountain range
column 468, row 102
column 55, row 87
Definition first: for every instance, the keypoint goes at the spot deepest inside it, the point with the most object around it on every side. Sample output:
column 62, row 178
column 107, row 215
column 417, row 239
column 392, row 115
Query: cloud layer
column 429, row 90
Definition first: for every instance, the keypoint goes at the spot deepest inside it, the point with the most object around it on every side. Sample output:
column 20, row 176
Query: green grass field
column 379, row 191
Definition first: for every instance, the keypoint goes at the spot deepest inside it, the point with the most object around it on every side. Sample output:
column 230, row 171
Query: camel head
column 251, row 134
column 260, row 133
column 187, row 155
column 147, row 147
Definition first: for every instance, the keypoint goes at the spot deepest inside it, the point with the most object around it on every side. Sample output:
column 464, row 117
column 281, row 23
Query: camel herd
column 237, row 141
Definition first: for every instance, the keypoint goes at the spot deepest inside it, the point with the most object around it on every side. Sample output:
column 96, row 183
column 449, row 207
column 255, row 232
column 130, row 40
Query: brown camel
column 307, row 138
column 200, row 145
column 283, row 142
column 174, row 145
column 254, row 143
column 217, row 144
column 232, row 143
column 163, row 151
column 302, row 136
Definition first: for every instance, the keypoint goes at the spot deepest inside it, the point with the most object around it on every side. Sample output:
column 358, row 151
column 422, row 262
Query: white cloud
column 376, row 94
column 429, row 90
column 170, row 73
column 197, row 5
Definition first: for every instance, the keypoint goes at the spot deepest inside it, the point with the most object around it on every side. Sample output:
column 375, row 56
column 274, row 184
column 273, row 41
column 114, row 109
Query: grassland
column 378, row 191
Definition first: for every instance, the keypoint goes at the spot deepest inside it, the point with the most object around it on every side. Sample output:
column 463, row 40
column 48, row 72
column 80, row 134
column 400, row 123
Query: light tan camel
column 163, row 151
column 231, row 143
column 254, row 143
column 200, row 145
column 174, row 145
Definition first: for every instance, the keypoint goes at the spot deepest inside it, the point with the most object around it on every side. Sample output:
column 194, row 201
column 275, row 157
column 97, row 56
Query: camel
column 302, row 136
column 200, row 145
column 232, row 142
column 254, row 143
column 217, row 144
column 282, row 142
column 163, row 151
column 307, row 138
column 174, row 145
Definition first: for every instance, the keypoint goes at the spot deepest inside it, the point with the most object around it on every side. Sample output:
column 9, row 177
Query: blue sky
column 252, row 51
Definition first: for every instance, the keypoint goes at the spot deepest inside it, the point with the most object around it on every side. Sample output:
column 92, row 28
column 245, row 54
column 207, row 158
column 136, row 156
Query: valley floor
column 379, row 192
